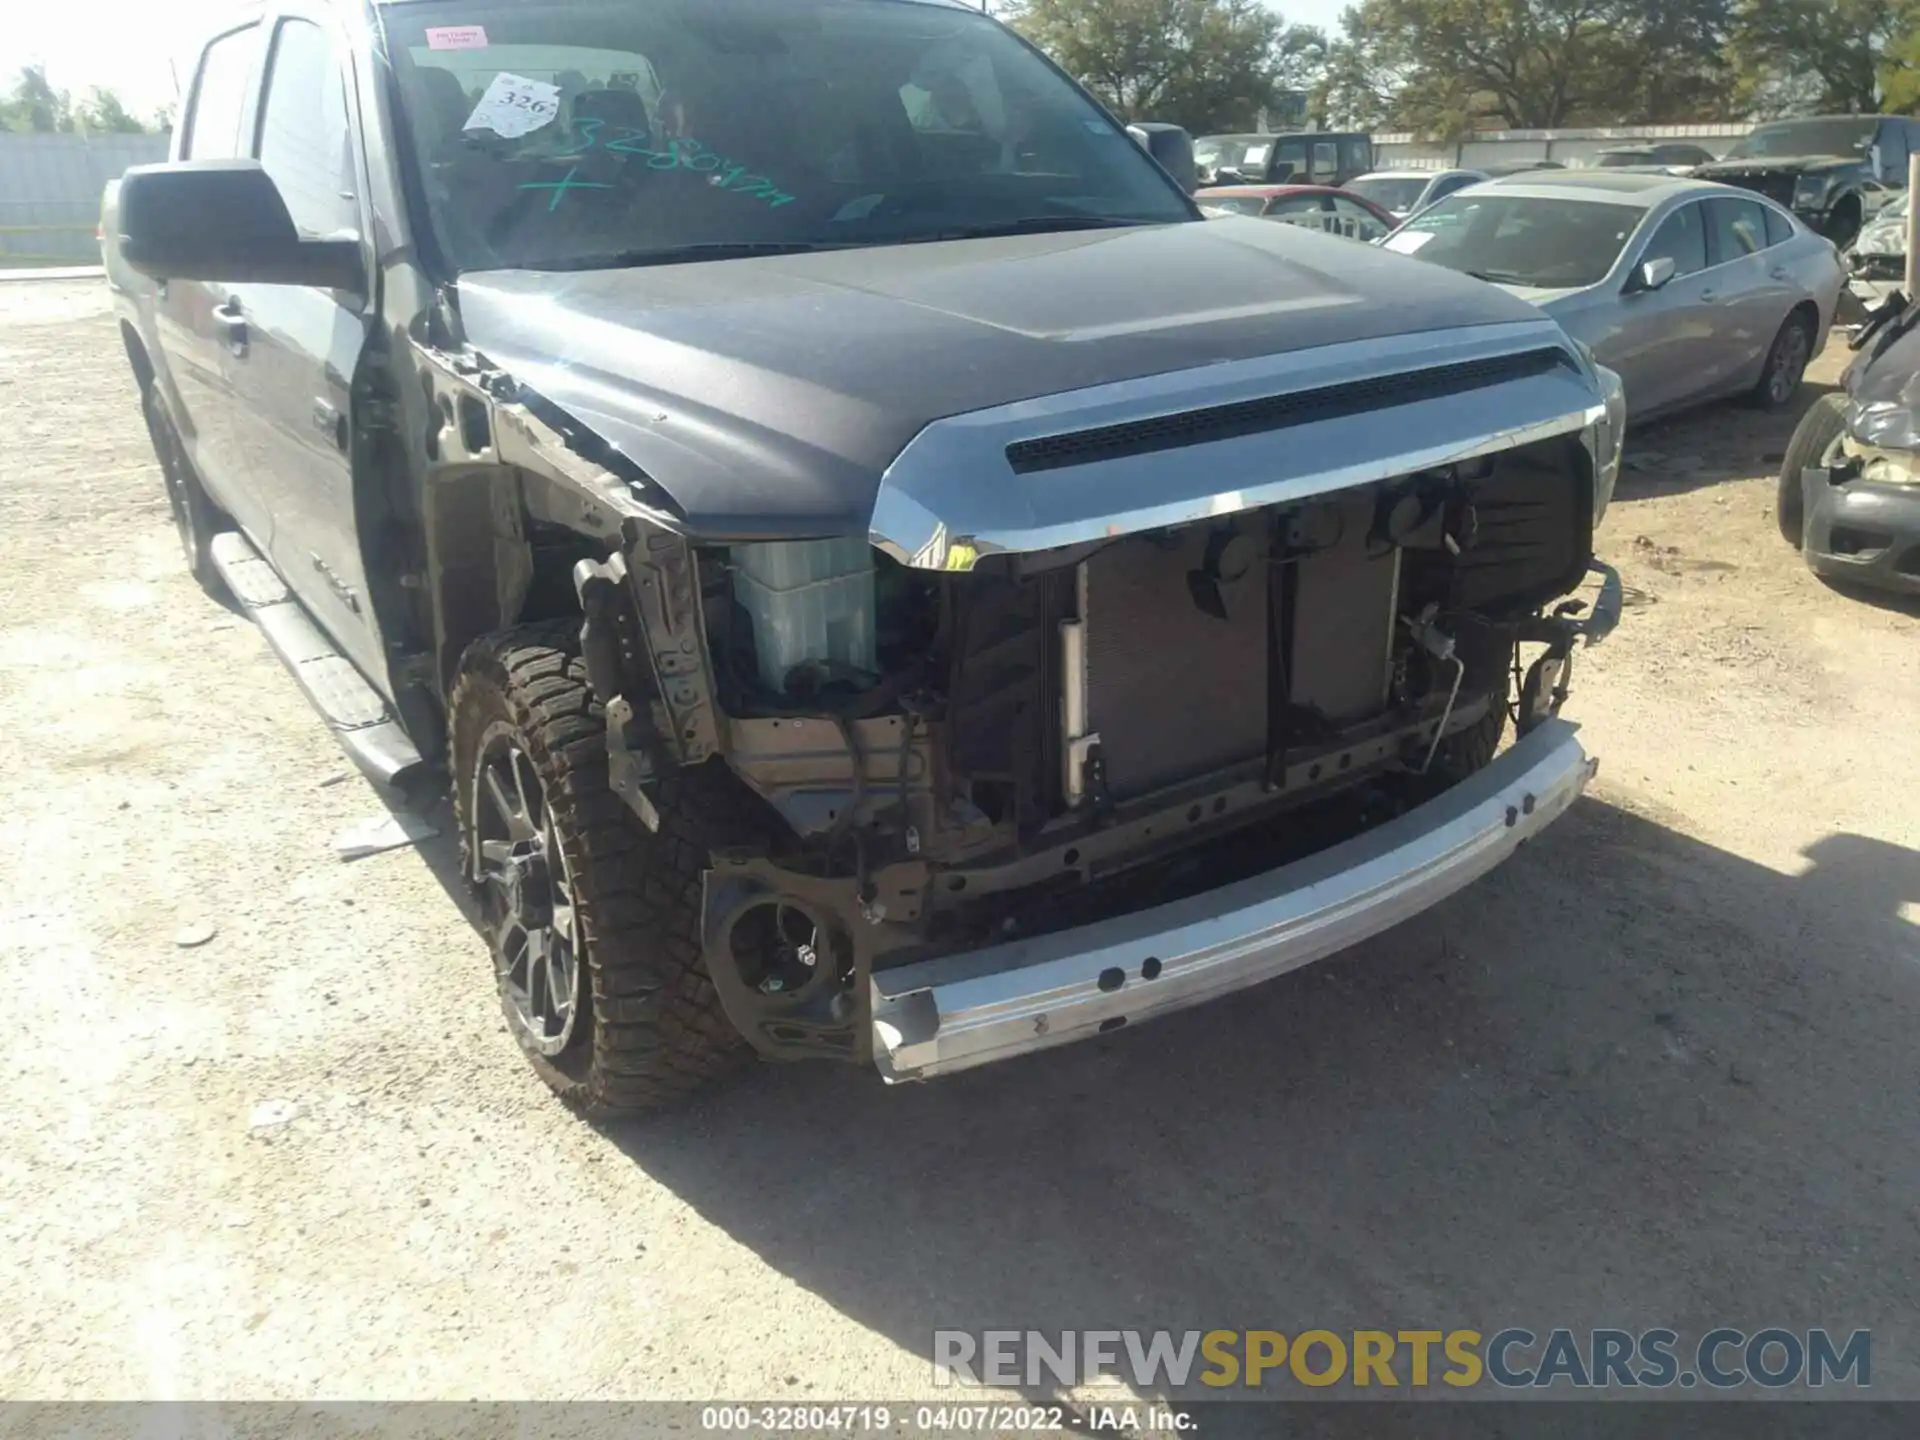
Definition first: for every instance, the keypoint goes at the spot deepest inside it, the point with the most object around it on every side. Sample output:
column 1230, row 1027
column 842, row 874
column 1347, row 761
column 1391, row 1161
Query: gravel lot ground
column 1658, row 1070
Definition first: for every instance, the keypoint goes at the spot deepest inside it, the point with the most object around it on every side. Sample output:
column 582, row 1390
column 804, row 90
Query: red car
column 1319, row 207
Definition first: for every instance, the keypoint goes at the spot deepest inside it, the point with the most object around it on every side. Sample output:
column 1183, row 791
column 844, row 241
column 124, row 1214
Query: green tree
column 35, row 104
column 1445, row 66
column 1365, row 75
column 1209, row 65
column 103, row 112
column 1826, row 55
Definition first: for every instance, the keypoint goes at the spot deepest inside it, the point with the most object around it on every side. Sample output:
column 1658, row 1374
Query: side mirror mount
column 225, row 221
column 1655, row 274
column 1173, row 148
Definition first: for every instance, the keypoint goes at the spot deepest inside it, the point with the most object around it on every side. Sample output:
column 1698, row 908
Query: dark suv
column 1823, row 169
column 787, row 467
column 1305, row 158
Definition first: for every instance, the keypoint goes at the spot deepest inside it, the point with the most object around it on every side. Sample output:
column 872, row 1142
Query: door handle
column 231, row 318
column 1709, row 295
column 1780, row 272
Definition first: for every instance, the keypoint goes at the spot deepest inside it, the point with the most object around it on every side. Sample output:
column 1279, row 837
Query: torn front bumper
column 1863, row 531
column 1860, row 297
column 958, row 1011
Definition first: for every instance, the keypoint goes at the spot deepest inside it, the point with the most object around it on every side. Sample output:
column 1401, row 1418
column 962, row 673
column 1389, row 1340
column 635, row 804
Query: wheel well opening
column 137, row 355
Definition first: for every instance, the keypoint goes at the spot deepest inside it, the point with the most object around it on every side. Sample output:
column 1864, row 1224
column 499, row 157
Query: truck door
column 295, row 348
column 187, row 313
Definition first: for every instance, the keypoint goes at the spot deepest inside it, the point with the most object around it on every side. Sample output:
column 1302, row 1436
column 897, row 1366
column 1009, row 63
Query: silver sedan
column 1690, row 290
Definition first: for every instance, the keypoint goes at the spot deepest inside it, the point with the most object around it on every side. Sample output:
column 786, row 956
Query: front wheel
column 1819, row 429
column 594, row 919
column 1786, row 364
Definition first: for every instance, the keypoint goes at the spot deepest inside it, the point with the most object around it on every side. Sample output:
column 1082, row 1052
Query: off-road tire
column 650, row 1027
column 1818, row 429
column 1786, row 367
column 1847, row 220
column 1468, row 752
column 196, row 519
column 1490, row 671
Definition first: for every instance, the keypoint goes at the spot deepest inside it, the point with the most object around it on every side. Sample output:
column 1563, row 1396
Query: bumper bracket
column 954, row 1012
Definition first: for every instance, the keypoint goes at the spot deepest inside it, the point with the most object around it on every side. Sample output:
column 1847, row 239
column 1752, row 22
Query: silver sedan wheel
column 1791, row 353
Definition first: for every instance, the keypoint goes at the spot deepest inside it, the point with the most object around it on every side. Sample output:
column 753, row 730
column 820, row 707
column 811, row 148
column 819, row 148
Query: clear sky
column 126, row 45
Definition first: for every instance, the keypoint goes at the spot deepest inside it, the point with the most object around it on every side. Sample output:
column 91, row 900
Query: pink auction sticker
column 456, row 37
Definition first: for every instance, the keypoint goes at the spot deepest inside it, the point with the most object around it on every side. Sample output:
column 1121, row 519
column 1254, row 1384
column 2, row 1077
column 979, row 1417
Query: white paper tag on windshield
column 1407, row 241
column 514, row 106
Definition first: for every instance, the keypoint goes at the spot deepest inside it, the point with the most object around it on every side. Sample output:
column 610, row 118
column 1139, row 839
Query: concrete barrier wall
column 50, row 188
column 1571, row 148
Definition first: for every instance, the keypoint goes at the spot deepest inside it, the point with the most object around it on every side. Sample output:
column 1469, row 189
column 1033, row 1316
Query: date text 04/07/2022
column 946, row 1419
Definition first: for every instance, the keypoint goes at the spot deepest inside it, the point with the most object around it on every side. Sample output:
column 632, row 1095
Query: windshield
column 1233, row 152
column 1235, row 204
column 1514, row 240
column 1396, row 193
column 569, row 133
column 1808, row 137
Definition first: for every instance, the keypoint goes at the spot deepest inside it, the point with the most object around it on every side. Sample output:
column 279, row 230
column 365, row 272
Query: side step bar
column 360, row 717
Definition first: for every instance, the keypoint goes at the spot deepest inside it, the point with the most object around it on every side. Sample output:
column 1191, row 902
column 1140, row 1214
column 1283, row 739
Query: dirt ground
column 1660, row 1069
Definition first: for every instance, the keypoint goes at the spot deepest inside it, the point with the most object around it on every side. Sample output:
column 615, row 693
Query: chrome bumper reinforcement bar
column 957, row 1011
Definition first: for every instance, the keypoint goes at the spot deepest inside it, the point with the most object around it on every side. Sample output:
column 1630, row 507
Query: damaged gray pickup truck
column 883, row 578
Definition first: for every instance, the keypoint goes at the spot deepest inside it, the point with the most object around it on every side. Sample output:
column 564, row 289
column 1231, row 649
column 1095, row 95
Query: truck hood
column 768, row 396
column 1542, row 297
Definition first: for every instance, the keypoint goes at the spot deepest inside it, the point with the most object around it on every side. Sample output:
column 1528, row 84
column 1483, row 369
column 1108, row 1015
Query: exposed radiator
column 1175, row 691
column 1172, row 691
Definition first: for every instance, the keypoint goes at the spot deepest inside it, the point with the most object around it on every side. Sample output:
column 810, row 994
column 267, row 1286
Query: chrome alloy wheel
column 527, row 890
column 1789, row 364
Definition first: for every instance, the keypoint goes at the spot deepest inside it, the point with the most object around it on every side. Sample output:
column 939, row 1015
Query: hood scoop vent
column 1276, row 412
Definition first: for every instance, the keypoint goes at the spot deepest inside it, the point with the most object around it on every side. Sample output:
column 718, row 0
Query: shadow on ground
column 1706, row 447
column 1890, row 600
column 1627, row 1080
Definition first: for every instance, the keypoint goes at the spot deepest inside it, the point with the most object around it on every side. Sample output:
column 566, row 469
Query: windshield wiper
column 1498, row 277
column 683, row 254
column 1030, row 225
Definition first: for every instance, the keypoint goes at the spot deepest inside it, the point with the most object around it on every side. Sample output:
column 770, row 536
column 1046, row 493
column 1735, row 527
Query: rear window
column 1391, row 192
column 1736, row 229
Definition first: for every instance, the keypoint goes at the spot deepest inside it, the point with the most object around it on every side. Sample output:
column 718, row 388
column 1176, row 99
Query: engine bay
column 960, row 758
